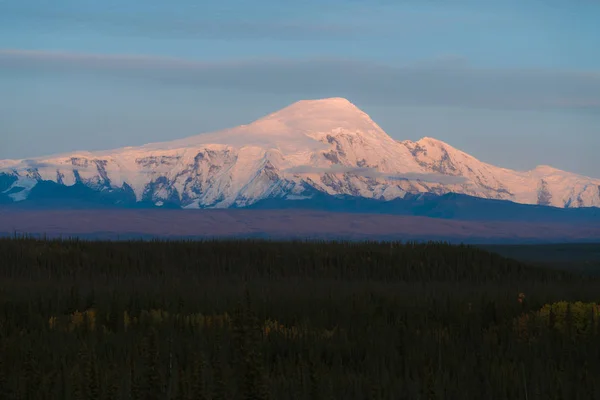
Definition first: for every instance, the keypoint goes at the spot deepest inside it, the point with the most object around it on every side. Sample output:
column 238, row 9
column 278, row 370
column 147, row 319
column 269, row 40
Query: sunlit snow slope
column 311, row 146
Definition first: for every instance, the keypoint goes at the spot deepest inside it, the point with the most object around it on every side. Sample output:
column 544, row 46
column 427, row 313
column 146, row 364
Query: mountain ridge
column 312, row 146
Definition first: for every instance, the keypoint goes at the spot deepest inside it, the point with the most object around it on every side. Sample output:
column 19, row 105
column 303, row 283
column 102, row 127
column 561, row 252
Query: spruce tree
column 135, row 388
column 31, row 375
column 254, row 385
column 219, row 389
column 153, row 387
column 197, row 387
column 315, row 390
column 181, row 393
column 5, row 387
column 114, row 387
column 89, row 377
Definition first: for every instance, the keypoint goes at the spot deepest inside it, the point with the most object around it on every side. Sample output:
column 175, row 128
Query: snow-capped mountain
column 327, row 146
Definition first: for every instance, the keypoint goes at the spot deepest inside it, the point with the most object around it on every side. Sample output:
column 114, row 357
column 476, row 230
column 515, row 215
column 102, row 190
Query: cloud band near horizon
column 443, row 82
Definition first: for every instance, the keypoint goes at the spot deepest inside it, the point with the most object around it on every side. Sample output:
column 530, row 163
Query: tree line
column 290, row 320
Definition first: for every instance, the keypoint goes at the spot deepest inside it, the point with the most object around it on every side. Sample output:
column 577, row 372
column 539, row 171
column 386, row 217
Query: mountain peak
column 291, row 129
column 320, row 115
column 546, row 168
column 339, row 102
column 335, row 107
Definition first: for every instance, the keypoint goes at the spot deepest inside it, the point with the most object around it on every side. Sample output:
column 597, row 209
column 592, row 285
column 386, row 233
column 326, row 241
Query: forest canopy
column 290, row 320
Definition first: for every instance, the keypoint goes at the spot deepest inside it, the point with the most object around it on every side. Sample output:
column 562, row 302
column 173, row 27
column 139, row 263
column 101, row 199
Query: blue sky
column 515, row 83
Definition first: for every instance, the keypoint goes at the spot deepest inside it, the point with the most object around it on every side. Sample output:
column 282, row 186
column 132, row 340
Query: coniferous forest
column 290, row 320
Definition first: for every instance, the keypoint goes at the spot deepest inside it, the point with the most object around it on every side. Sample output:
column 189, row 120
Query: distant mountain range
column 315, row 154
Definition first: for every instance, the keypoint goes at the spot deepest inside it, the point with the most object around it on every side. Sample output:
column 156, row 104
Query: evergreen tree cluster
column 290, row 320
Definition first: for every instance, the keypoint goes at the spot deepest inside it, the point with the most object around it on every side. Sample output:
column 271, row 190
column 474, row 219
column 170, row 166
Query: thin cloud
column 197, row 21
column 373, row 173
column 444, row 82
column 240, row 19
column 30, row 164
